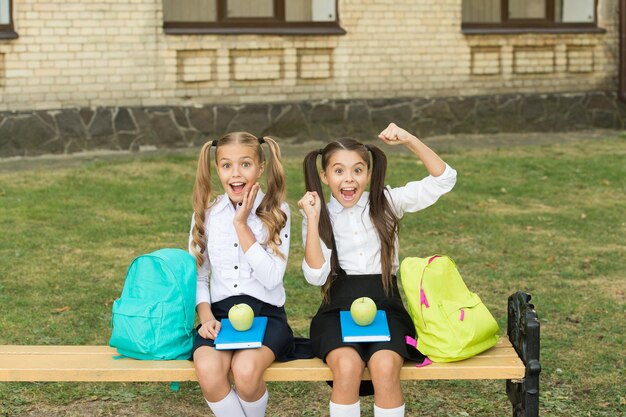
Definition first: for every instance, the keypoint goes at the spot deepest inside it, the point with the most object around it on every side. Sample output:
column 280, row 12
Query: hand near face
column 311, row 204
column 394, row 135
column 243, row 209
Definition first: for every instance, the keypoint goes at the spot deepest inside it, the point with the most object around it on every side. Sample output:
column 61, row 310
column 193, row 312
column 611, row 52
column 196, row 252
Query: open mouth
column 237, row 187
column 348, row 193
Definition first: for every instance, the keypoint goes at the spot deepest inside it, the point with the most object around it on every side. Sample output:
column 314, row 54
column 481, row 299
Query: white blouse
column 258, row 272
column 358, row 245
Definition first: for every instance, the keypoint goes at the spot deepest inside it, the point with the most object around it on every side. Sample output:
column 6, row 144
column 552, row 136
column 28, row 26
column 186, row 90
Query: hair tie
column 261, row 140
column 320, row 151
column 214, row 142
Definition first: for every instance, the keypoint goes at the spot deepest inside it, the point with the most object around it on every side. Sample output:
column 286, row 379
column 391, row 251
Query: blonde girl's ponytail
column 201, row 197
column 269, row 211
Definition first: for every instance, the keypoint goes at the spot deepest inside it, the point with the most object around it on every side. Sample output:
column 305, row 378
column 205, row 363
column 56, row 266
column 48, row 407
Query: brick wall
column 110, row 53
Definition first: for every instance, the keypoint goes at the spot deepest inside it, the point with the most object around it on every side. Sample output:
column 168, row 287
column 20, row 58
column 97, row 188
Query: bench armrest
column 523, row 332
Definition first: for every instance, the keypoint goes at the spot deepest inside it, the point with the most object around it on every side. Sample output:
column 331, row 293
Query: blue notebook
column 378, row 331
column 228, row 338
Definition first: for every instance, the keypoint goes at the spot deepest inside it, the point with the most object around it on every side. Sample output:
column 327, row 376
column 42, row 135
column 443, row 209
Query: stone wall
column 133, row 128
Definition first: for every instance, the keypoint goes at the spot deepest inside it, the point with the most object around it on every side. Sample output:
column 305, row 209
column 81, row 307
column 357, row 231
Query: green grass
column 549, row 220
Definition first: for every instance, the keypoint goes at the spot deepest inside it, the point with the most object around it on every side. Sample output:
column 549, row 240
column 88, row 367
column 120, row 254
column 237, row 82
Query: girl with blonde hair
column 240, row 240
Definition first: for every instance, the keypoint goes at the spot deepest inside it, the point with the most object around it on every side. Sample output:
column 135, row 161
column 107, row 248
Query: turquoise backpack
column 452, row 323
column 154, row 316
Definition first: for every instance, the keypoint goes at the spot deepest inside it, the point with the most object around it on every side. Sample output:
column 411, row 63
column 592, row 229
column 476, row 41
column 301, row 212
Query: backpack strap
column 425, row 363
column 423, row 299
column 189, row 332
column 432, row 258
column 412, row 342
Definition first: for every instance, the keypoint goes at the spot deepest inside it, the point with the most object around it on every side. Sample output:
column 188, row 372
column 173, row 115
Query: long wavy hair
column 382, row 214
column 269, row 210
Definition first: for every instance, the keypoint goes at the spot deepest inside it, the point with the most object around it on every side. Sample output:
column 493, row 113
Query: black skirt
column 326, row 329
column 278, row 335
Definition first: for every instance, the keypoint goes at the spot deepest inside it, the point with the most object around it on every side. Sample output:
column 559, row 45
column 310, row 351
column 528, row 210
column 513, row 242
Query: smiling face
column 347, row 176
column 238, row 168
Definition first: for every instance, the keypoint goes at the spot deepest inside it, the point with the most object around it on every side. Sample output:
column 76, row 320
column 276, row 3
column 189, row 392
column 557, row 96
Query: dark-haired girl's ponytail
column 383, row 216
column 313, row 183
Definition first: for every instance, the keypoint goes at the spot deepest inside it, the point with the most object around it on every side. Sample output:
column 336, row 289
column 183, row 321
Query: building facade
column 79, row 75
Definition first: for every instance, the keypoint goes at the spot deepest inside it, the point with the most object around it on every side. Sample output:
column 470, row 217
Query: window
column 529, row 15
column 6, row 21
column 246, row 16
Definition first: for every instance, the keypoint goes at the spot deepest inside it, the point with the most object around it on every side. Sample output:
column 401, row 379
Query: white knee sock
column 389, row 412
column 255, row 408
column 345, row 410
column 229, row 406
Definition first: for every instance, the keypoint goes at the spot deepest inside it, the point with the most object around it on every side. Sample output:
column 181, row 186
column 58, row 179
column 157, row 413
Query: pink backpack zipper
column 423, row 299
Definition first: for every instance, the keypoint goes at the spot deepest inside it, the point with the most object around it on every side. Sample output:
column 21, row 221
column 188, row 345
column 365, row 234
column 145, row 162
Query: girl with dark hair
column 240, row 239
column 351, row 251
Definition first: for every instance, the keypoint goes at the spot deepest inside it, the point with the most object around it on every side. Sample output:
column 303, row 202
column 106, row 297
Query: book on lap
column 378, row 331
column 229, row 339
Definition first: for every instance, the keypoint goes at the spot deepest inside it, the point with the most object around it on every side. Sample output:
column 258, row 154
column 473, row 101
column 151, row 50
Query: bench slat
column 96, row 363
column 503, row 342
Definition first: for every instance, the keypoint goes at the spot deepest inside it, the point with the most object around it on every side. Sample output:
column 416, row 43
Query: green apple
column 241, row 317
column 363, row 311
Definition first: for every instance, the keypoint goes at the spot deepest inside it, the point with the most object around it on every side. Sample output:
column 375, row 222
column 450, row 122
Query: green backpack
column 154, row 316
column 452, row 323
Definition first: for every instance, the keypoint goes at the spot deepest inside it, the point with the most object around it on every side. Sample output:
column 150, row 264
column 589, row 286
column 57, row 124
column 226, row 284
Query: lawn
column 549, row 220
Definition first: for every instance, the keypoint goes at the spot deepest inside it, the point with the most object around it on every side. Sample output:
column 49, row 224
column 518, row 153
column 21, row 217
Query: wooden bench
column 509, row 360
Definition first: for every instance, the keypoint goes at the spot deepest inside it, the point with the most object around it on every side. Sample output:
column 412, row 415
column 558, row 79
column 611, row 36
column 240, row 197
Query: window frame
column 7, row 31
column 251, row 25
column 547, row 24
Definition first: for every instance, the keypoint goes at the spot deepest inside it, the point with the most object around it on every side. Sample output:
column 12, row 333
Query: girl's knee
column 248, row 379
column 247, row 372
column 211, row 383
column 203, row 369
column 347, row 369
column 346, row 366
column 385, row 366
column 210, row 370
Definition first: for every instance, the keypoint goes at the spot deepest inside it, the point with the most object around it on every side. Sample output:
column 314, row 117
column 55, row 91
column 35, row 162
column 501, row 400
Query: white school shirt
column 358, row 245
column 258, row 272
